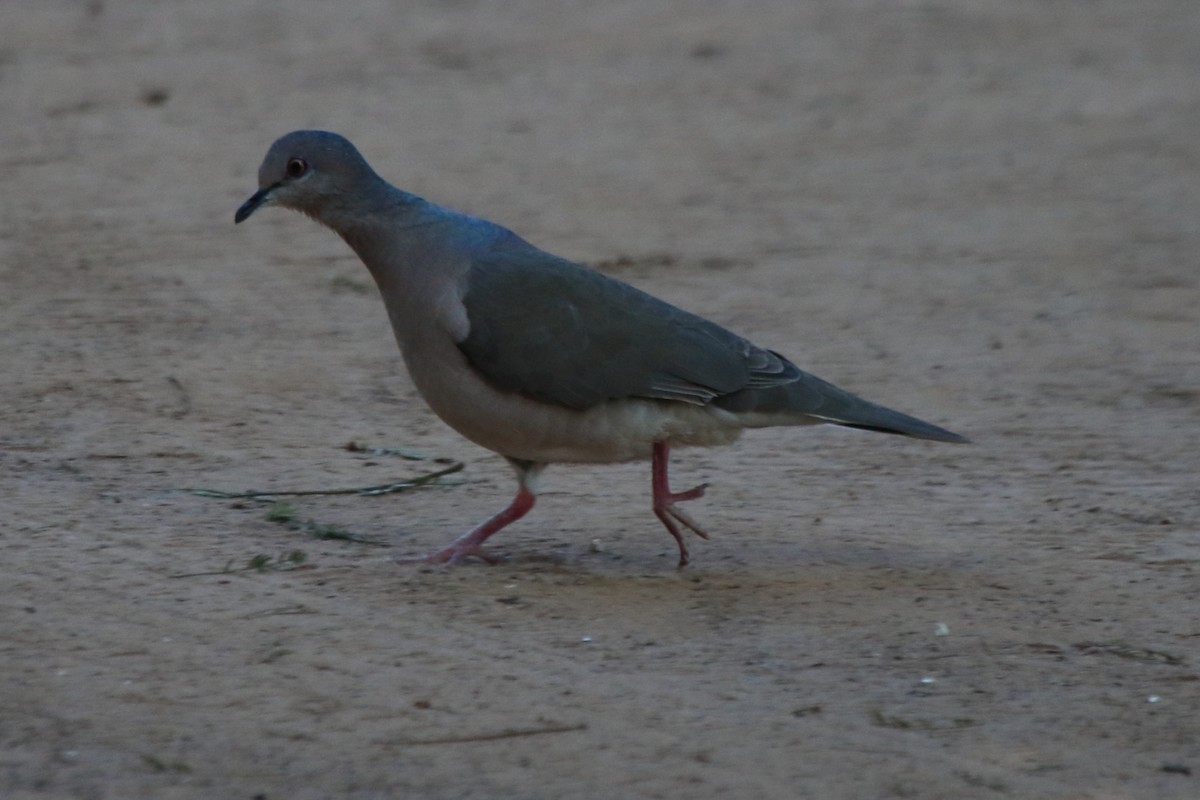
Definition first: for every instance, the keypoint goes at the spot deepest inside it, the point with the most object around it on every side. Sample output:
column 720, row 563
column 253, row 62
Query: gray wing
column 562, row 333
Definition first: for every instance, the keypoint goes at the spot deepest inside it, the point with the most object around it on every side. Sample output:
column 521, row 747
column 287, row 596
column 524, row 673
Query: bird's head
column 309, row 171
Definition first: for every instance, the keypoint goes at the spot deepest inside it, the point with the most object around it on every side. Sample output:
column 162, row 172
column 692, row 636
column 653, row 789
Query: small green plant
column 287, row 514
column 292, row 559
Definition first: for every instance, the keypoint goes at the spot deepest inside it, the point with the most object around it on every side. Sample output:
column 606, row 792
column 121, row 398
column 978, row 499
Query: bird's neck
column 419, row 254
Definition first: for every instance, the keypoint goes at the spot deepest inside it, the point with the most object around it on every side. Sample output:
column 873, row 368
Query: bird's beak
column 260, row 198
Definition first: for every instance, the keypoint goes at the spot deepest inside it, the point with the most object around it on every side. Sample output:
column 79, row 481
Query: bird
column 541, row 359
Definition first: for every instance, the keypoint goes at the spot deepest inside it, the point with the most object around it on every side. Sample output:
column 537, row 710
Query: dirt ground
column 983, row 212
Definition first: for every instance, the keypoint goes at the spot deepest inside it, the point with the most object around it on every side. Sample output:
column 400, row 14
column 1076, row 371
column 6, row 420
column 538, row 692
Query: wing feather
column 563, row 333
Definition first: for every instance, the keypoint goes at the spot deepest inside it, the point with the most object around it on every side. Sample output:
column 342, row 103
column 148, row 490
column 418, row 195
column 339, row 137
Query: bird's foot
column 471, row 544
column 672, row 517
column 664, row 500
column 452, row 553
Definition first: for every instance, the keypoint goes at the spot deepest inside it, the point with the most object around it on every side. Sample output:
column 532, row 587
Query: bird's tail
column 808, row 399
column 884, row 420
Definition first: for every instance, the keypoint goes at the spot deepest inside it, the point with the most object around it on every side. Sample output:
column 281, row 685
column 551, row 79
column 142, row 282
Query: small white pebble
column 941, row 629
column 1153, row 698
column 585, row 639
column 596, row 546
column 928, row 680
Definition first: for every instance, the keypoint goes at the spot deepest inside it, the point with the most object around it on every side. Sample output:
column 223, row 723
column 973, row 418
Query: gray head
column 316, row 172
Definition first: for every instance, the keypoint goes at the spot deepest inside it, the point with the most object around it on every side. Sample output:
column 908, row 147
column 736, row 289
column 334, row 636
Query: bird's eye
column 296, row 167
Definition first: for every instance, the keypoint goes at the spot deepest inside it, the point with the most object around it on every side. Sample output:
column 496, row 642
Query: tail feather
column 808, row 398
column 903, row 425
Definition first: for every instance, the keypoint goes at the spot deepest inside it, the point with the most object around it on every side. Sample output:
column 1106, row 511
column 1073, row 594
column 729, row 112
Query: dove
column 543, row 360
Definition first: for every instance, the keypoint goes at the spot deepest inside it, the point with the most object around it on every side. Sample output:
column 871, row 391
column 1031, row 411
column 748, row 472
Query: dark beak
column 250, row 206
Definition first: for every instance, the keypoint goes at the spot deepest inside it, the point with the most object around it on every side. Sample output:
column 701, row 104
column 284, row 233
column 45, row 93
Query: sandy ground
column 984, row 212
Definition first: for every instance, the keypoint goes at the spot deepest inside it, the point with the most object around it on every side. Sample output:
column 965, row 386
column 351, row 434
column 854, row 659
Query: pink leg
column 665, row 500
column 471, row 543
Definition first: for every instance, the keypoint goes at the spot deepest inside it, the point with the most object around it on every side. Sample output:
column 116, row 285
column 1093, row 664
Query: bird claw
column 682, row 516
column 470, row 544
column 691, row 494
column 452, row 554
column 672, row 517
